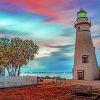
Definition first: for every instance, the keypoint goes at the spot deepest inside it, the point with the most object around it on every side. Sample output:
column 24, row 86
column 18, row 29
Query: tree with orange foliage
column 15, row 53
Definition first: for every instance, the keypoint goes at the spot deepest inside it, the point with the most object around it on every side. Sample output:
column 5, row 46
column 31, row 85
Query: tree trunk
column 2, row 71
column 8, row 71
column 13, row 70
column 19, row 71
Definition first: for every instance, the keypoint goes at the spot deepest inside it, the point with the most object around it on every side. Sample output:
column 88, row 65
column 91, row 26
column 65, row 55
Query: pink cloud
column 51, row 8
column 96, row 42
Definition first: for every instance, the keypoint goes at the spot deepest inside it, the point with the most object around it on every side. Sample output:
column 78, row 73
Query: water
column 66, row 75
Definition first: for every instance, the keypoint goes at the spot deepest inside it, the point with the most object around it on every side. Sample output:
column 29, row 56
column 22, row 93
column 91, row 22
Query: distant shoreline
column 48, row 72
column 67, row 75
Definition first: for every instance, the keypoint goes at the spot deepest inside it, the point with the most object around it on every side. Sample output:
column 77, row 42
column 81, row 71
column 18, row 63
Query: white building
column 85, row 63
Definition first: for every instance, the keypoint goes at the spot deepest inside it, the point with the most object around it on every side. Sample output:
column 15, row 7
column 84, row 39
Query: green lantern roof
column 81, row 14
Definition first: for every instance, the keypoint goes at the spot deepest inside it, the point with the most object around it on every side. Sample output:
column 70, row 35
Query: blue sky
column 50, row 23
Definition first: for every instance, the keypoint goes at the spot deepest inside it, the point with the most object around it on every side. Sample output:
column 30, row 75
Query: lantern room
column 81, row 14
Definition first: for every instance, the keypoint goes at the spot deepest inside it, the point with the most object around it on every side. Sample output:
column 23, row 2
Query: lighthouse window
column 85, row 59
column 78, row 28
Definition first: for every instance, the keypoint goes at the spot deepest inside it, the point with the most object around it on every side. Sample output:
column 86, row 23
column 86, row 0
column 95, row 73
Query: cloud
column 96, row 35
column 58, row 60
column 45, row 52
column 95, row 29
column 69, row 31
column 2, row 35
column 50, row 23
column 55, row 9
column 96, row 42
column 62, row 47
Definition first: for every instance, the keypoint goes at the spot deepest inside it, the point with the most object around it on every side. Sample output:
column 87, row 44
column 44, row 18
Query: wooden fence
column 13, row 81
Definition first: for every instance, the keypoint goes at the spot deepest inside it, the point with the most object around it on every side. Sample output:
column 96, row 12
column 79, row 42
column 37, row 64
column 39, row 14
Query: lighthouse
column 85, row 63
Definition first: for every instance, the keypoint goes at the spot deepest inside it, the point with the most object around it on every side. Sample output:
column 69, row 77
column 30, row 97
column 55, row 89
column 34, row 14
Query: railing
column 82, row 21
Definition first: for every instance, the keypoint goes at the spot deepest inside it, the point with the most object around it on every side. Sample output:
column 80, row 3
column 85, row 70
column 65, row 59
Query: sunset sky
column 49, row 23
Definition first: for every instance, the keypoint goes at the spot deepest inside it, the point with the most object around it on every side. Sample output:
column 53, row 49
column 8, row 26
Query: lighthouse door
column 80, row 75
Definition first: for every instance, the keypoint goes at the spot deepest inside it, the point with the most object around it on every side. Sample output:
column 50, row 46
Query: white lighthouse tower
column 85, row 63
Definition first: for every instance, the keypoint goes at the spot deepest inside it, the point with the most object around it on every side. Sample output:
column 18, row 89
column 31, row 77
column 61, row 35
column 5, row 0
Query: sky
column 50, row 24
